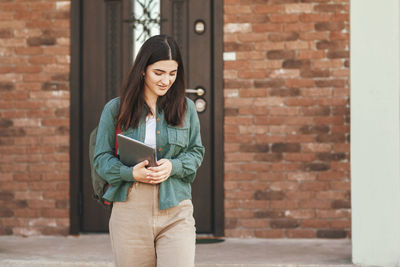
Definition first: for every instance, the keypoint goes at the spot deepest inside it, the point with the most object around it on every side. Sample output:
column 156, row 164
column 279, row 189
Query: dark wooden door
column 189, row 23
column 106, row 56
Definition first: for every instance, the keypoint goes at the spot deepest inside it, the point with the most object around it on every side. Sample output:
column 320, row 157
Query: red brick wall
column 34, row 117
column 287, row 118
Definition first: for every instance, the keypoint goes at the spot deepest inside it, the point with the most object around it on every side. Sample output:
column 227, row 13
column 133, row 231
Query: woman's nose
column 165, row 79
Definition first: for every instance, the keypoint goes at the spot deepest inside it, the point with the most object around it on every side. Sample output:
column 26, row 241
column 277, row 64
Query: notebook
column 132, row 152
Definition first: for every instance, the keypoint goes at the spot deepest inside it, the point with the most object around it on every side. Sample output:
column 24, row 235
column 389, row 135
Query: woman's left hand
column 160, row 173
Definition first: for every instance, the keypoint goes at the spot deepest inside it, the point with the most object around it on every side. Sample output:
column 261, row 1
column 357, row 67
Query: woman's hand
column 160, row 173
column 152, row 175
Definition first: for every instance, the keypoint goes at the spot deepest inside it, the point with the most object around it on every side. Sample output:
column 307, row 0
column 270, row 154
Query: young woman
column 152, row 220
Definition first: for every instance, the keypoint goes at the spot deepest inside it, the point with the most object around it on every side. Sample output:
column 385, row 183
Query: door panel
column 107, row 55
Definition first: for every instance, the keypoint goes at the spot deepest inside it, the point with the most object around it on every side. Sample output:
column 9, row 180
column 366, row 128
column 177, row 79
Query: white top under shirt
column 150, row 138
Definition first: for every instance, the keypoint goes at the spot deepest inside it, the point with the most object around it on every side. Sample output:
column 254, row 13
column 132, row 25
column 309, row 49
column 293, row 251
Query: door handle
column 199, row 91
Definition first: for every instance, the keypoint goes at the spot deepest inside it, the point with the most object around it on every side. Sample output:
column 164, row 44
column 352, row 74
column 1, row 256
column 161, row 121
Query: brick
column 281, row 37
column 236, row 9
column 42, row 40
column 269, row 195
column 54, row 213
column 6, row 212
column 335, row 195
column 299, row 8
column 339, row 35
column 331, row 156
column 251, row 18
column 281, row 147
column 297, row 233
column 254, row 223
column 330, row 8
column 275, row 233
column 341, row 204
column 253, row 204
column 331, row 45
column 301, row 176
column 254, row 110
column 331, row 175
column 315, row 223
column 329, row 26
column 283, row 186
column 294, row 138
column 314, row 186
column 338, row 54
column 311, row 54
column 280, row 54
column 285, row 73
column 270, row 64
column 315, row 17
column 316, row 92
column 267, row 27
column 296, row 83
column 298, row 45
column 316, row 147
column 316, row 167
column 302, row 214
column 299, row 101
column 251, row 37
column 334, row 138
column 284, row 204
column 331, row 233
column 283, row 167
column 298, row 27
column 299, row 195
column 315, row 204
column 254, row 148
column 338, row 213
column 284, row 223
column 239, row 157
column 26, row 213
column 309, row 36
column 233, row 46
column 38, row 204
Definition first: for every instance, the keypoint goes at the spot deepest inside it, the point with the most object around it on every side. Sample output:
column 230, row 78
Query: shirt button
column 159, row 149
column 158, row 132
column 158, row 119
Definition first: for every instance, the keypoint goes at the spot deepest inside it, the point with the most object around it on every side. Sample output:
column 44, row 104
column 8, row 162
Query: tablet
column 132, row 152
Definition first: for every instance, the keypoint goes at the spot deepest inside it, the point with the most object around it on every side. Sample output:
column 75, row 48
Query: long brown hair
column 133, row 104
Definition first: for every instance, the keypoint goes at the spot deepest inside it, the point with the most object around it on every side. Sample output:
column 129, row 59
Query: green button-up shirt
column 181, row 145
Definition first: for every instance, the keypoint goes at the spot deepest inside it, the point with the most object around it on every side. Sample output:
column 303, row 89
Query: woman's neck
column 152, row 103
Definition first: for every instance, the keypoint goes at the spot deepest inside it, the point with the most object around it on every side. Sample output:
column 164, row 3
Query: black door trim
column 75, row 115
column 76, row 150
column 218, row 116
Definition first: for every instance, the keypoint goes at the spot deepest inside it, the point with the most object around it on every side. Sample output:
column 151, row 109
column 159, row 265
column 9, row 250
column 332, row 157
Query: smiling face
column 159, row 78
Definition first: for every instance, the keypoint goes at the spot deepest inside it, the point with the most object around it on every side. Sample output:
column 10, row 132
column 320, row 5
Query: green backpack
column 100, row 185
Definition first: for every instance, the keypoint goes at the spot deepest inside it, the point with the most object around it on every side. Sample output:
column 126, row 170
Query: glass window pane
column 146, row 22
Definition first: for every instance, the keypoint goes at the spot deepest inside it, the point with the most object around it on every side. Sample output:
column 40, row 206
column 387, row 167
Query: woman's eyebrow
column 164, row 70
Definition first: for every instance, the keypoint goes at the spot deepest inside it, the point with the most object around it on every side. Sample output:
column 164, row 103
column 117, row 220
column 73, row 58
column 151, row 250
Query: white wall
column 375, row 136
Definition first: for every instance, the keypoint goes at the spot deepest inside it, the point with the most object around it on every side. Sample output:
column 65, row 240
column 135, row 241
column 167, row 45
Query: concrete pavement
column 94, row 250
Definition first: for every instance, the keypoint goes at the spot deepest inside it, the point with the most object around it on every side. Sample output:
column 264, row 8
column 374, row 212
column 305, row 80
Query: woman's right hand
column 141, row 173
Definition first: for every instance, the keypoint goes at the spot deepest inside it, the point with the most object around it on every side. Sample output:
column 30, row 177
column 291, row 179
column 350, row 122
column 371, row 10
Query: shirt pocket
column 178, row 139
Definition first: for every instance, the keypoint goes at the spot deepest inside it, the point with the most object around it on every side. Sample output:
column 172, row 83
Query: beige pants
column 142, row 235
